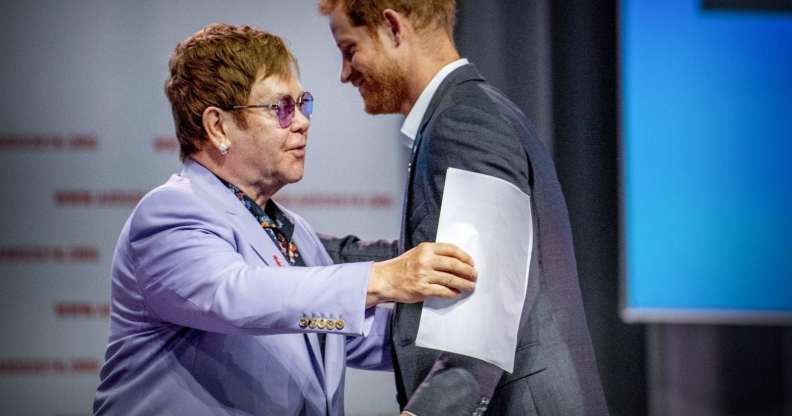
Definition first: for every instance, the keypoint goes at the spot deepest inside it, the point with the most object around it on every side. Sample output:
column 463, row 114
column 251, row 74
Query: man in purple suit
column 224, row 302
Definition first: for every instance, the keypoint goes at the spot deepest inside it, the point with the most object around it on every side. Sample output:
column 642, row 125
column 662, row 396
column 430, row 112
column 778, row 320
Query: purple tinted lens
column 306, row 104
column 285, row 110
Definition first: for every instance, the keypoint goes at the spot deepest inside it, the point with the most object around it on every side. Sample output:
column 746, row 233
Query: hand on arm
column 429, row 269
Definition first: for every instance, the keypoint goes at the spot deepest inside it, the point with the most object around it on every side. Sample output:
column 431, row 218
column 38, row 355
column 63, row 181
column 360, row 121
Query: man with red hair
column 401, row 57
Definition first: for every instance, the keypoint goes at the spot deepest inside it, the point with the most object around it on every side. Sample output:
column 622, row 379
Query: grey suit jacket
column 470, row 125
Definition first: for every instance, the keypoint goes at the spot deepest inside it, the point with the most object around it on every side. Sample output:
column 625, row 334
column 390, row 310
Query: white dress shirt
column 413, row 121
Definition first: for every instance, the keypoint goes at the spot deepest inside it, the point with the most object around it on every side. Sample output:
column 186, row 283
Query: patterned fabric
column 274, row 222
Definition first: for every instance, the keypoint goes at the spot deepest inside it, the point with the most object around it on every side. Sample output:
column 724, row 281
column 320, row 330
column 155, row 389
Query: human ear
column 396, row 23
column 214, row 124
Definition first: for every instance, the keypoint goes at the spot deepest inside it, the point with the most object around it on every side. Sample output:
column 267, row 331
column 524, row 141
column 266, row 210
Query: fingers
column 454, row 266
column 452, row 282
column 448, row 258
column 441, row 292
column 450, row 250
column 428, row 270
column 428, row 291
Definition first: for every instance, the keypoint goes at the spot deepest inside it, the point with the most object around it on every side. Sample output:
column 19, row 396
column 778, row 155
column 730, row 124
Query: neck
column 433, row 56
column 260, row 191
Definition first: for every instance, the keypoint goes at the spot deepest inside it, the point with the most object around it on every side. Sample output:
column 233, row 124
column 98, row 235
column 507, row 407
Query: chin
column 372, row 110
column 380, row 102
column 375, row 107
column 295, row 177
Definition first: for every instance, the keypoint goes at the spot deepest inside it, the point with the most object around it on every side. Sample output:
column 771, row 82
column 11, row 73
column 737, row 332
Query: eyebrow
column 280, row 93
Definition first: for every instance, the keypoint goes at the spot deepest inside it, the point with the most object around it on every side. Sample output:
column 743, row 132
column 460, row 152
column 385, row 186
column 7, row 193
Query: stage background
column 86, row 129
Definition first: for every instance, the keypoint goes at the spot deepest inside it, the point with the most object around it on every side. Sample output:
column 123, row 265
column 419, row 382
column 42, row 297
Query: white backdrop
column 85, row 130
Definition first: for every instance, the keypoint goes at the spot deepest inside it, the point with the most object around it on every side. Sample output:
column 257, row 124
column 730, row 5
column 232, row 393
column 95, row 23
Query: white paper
column 490, row 219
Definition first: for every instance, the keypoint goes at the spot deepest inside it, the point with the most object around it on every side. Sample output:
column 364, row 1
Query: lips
column 359, row 82
column 298, row 151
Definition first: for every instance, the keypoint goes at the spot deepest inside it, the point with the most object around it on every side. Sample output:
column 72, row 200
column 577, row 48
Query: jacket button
column 340, row 324
column 331, row 324
column 303, row 322
column 321, row 324
column 312, row 325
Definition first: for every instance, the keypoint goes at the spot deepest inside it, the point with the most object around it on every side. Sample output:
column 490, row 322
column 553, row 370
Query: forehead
column 275, row 86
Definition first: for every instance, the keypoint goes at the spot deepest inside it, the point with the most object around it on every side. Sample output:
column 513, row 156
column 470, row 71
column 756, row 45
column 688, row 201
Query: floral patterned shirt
column 277, row 225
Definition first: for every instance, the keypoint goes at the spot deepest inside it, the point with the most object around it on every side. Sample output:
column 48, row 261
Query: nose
column 346, row 71
column 300, row 122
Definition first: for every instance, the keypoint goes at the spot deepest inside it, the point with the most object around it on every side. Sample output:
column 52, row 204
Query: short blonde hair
column 217, row 66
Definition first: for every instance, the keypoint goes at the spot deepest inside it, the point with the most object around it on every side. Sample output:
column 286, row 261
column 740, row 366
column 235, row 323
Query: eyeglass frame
column 295, row 104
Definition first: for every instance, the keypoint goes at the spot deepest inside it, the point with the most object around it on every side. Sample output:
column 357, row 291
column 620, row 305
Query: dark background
column 559, row 62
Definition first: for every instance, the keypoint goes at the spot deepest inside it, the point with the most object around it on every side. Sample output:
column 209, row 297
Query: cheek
column 266, row 149
column 358, row 64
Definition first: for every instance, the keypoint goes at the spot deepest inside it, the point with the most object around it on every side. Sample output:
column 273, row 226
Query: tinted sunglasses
column 285, row 107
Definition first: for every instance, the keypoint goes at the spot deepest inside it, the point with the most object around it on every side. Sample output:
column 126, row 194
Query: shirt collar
column 268, row 216
column 411, row 124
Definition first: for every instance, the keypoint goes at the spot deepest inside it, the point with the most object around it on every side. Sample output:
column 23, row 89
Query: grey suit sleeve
column 351, row 249
column 466, row 138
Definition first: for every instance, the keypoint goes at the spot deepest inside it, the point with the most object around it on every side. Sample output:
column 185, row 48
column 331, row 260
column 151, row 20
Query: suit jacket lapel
column 220, row 195
column 462, row 74
column 311, row 252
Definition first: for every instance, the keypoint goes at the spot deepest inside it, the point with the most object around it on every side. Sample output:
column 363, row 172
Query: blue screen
column 706, row 133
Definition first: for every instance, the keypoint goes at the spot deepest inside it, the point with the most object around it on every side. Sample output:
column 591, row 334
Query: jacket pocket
column 526, row 364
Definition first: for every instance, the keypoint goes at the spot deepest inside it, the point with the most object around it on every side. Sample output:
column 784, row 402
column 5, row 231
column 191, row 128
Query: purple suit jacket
column 205, row 322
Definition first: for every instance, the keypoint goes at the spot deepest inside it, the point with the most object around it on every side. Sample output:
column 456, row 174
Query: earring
column 223, row 148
